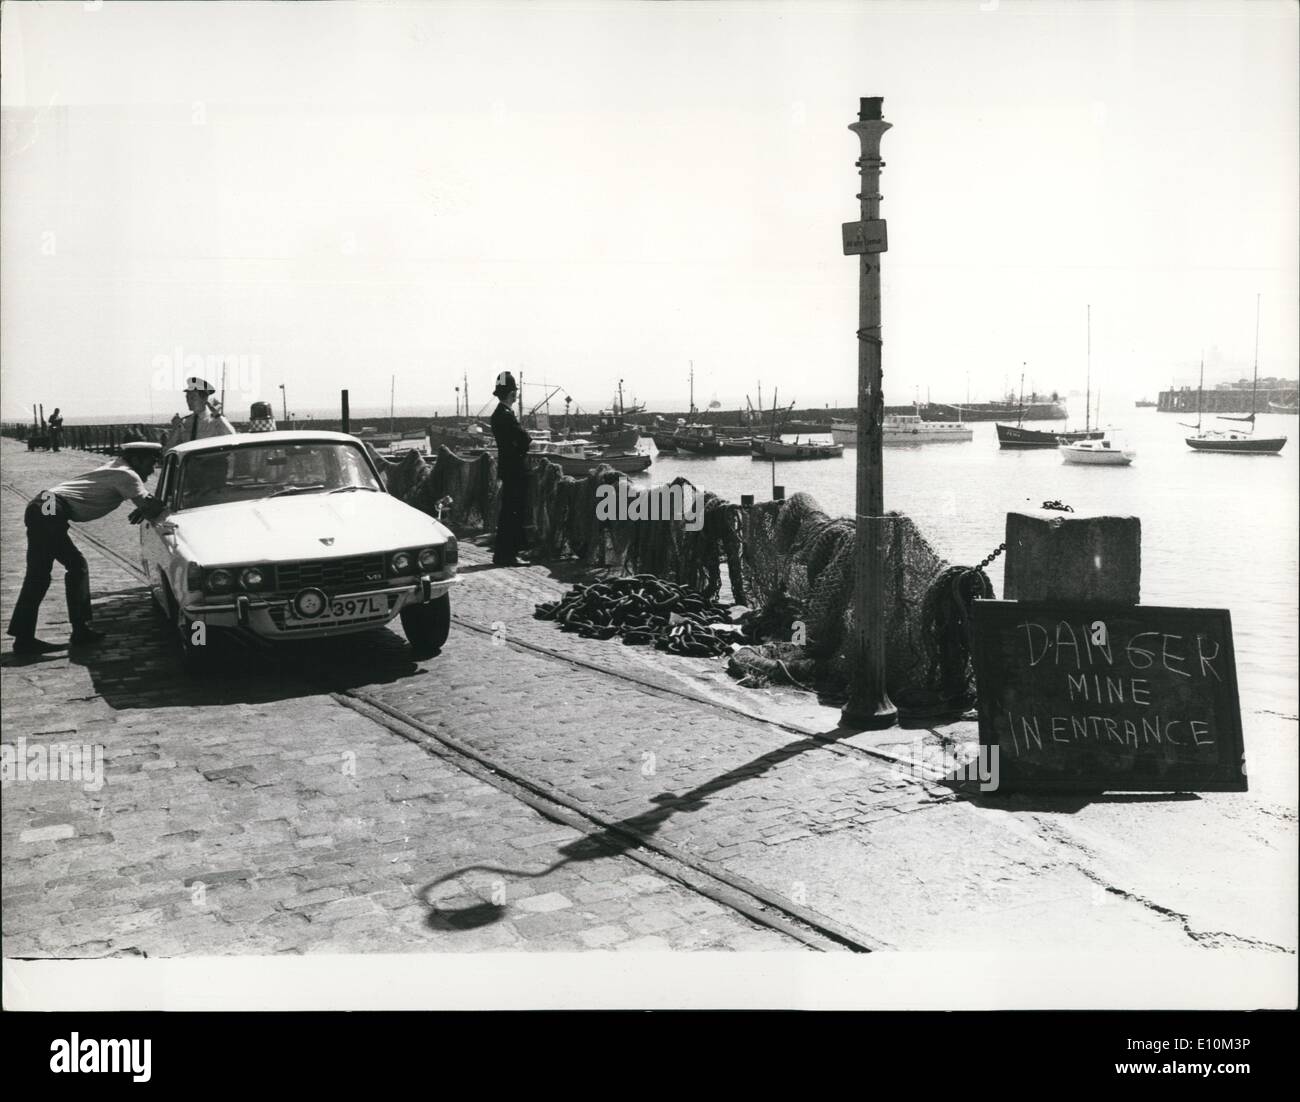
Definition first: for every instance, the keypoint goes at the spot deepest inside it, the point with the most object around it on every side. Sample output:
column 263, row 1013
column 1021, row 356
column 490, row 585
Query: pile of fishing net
column 798, row 567
column 645, row 610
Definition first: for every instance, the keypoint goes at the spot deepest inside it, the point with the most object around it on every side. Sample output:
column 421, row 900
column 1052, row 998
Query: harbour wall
column 1223, row 401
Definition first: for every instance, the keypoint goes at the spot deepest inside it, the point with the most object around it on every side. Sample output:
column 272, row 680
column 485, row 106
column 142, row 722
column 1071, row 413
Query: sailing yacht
column 1095, row 452
column 1240, row 441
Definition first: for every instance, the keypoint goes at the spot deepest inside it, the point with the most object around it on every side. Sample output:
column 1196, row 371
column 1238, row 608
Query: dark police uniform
column 512, row 468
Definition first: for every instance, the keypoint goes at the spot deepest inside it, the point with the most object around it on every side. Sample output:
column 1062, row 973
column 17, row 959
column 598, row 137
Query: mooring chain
column 1059, row 506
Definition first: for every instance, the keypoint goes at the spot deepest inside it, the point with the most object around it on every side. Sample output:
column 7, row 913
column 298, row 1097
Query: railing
column 105, row 439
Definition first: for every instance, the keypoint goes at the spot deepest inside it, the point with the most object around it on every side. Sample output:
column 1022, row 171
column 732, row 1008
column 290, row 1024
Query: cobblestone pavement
column 253, row 814
column 793, row 808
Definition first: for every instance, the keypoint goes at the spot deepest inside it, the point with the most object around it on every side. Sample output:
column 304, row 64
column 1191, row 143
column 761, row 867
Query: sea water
column 1218, row 530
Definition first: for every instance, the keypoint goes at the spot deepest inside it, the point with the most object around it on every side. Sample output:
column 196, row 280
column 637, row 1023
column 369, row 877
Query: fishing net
column 470, row 484
column 788, row 561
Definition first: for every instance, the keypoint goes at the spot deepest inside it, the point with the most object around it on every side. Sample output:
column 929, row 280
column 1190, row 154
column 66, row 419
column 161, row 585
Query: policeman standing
column 512, row 445
column 204, row 420
column 87, row 497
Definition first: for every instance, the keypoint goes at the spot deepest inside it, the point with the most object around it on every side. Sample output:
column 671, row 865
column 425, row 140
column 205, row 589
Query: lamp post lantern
column 869, row 706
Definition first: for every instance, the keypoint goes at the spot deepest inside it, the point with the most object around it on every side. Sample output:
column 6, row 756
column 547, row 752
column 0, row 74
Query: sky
column 393, row 197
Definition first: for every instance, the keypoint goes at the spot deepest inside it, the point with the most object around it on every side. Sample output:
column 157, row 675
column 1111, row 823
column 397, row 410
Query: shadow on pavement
column 613, row 840
column 1056, row 803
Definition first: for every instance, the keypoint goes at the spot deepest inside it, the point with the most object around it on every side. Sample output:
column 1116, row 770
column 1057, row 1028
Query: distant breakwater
column 1234, row 400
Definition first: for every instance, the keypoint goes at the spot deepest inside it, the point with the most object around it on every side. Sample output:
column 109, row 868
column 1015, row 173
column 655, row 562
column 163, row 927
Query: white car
column 291, row 535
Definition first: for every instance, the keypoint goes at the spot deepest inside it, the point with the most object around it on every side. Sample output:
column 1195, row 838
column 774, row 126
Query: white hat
column 139, row 446
column 195, row 383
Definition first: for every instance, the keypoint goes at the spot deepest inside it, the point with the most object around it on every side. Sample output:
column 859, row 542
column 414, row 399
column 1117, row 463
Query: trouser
column 47, row 543
column 511, row 520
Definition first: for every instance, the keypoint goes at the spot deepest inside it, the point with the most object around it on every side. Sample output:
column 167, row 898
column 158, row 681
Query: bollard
column 778, row 493
column 1090, row 557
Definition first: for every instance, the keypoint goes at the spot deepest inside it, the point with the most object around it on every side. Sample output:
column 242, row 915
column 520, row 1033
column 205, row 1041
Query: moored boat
column 1016, row 436
column 909, row 428
column 1237, row 441
column 1097, row 453
column 706, row 440
column 1230, row 440
column 799, row 449
column 576, row 458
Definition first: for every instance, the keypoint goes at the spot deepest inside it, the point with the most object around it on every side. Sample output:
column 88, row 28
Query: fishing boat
column 1144, row 403
column 1096, row 453
column 1238, row 441
column 578, row 458
column 706, row 440
column 1283, row 407
column 799, row 449
column 468, row 438
column 1017, row 436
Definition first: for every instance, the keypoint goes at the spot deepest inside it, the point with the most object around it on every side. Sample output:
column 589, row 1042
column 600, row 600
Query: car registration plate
column 346, row 608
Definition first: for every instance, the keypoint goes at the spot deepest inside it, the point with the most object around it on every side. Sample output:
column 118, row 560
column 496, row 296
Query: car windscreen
column 253, row 471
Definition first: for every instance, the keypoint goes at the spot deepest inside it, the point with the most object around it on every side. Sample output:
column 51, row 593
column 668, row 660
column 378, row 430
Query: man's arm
column 221, row 427
column 147, row 507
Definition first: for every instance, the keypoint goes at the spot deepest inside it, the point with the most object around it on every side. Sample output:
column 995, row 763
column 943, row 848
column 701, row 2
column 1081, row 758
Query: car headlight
column 400, row 561
column 219, row 581
column 251, row 578
column 428, row 558
column 450, row 552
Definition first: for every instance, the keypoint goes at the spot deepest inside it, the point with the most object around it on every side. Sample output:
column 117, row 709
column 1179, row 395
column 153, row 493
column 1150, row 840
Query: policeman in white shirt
column 87, row 497
column 205, row 418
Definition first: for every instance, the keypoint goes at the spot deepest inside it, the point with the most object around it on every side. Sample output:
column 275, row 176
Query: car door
column 153, row 551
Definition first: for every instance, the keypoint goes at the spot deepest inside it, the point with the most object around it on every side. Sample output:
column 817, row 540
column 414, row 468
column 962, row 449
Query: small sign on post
column 1105, row 697
column 865, row 237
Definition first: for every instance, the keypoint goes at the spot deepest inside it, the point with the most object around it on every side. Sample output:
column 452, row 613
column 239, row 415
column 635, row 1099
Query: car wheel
column 428, row 625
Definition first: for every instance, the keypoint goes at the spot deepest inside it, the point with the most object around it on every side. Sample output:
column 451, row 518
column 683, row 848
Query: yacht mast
column 1255, row 380
column 1087, row 400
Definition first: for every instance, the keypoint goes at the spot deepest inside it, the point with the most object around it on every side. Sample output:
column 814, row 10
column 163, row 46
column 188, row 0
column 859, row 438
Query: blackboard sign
column 1095, row 697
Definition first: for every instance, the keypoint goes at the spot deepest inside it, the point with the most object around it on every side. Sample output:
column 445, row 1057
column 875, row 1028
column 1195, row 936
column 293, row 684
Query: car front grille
column 360, row 572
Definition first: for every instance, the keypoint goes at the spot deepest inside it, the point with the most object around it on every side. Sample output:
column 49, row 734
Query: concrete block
column 1073, row 557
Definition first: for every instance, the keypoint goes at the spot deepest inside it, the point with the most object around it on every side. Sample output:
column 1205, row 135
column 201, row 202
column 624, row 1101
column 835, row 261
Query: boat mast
column 1199, row 388
column 1021, row 412
column 1087, row 398
column 1255, row 381
column 691, row 414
